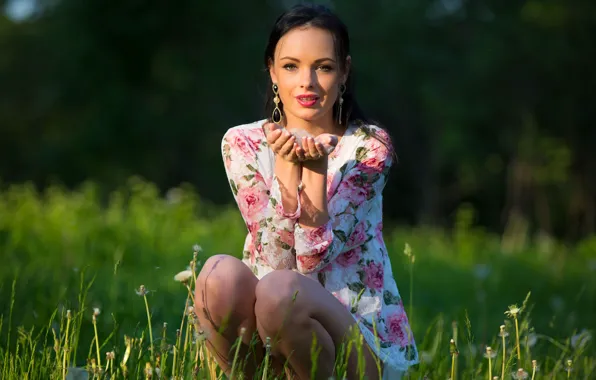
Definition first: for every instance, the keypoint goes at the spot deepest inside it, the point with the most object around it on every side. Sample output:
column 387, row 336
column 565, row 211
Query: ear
column 272, row 72
column 347, row 67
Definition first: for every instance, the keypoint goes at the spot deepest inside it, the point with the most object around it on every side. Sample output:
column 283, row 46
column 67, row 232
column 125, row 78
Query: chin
column 310, row 115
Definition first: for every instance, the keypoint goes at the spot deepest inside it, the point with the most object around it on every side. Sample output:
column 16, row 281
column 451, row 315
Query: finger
column 281, row 141
column 300, row 153
column 312, row 149
column 272, row 136
column 287, row 148
column 320, row 149
column 293, row 156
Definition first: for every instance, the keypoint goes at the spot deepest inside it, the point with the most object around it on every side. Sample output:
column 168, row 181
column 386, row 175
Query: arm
column 346, row 225
column 269, row 219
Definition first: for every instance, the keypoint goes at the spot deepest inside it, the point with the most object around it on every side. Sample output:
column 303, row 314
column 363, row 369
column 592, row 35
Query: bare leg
column 293, row 318
column 224, row 304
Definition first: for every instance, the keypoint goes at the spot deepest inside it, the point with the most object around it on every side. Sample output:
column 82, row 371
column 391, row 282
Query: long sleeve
column 349, row 208
column 271, row 227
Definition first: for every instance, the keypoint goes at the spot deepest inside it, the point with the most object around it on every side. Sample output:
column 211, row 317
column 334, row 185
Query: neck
column 314, row 127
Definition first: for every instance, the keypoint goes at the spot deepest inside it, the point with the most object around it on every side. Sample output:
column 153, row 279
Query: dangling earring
column 276, row 116
column 342, row 89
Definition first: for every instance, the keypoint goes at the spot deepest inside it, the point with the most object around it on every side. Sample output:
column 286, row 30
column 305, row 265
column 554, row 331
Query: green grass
column 74, row 251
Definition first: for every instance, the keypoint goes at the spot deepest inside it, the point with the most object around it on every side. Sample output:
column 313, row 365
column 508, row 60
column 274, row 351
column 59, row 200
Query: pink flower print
column 317, row 235
column 251, row 202
column 309, row 262
column 374, row 275
column 358, row 236
column 372, row 164
column 379, row 233
column 349, row 258
column 240, row 144
column 397, row 329
column 255, row 138
column 286, row 237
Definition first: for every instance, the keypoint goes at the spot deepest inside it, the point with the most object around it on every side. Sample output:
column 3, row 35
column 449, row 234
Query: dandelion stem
column 150, row 329
column 96, row 341
column 66, row 342
column 504, row 358
column 517, row 340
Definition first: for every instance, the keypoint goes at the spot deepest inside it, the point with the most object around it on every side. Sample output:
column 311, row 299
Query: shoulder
column 251, row 129
column 373, row 140
column 249, row 133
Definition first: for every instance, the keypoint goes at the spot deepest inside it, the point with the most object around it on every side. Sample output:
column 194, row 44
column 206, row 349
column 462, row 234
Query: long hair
column 321, row 17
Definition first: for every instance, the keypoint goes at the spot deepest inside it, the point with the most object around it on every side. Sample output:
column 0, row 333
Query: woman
column 314, row 259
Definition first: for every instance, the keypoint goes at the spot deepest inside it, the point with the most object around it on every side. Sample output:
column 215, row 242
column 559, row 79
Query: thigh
column 308, row 296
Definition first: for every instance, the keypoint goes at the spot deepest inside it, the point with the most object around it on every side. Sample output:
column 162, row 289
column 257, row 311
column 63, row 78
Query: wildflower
column 183, row 276
column 197, row 248
column 96, row 311
column 513, row 311
column 520, row 374
column 490, row 354
column 110, row 355
column 141, row 291
column 503, row 333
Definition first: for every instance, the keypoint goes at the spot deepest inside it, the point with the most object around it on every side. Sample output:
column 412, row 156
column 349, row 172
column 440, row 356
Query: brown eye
column 289, row 66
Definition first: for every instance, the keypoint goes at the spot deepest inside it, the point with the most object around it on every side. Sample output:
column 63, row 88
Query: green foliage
column 65, row 250
column 488, row 102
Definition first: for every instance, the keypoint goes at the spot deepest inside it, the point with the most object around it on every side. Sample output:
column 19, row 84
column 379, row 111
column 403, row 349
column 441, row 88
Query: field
column 73, row 265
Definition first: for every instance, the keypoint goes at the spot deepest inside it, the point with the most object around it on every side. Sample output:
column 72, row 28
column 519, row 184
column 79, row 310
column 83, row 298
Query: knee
column 276, row 300
column 224, row 286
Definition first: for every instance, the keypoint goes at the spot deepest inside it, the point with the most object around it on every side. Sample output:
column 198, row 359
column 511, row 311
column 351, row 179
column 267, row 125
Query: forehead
column 306, row 43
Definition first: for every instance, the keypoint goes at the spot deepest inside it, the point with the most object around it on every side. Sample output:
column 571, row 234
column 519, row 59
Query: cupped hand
column 315, row 148
column 282, row 142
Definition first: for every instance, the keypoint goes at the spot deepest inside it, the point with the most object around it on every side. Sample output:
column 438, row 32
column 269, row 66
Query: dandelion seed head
column 183, row 276
column 68, row 314
column 141, row 291
column 513, row 311
column 110, row 355
column 520, row 374
column 242, row 331
column 569, row 364
column 490, row 354
column 503, row 332
column 197, row 248
column 96, row 311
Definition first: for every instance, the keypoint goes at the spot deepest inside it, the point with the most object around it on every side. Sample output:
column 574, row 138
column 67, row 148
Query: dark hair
column 319, row 16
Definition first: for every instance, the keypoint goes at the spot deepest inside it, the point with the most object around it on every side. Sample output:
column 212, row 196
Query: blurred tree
column 489, row 102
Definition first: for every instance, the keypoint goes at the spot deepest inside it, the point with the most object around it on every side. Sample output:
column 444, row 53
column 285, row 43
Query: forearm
column 288, row 176
column 314, row 196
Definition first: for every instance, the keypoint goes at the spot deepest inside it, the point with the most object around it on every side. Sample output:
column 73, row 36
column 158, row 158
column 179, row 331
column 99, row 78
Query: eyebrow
column 318, row 60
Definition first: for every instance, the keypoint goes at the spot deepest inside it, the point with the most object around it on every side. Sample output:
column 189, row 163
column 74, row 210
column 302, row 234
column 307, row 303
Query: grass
column 73, row 265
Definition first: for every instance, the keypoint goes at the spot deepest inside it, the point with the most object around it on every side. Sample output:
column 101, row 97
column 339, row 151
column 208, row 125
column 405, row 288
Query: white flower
column 96, row 311
column 197, row 248
column 183, row 276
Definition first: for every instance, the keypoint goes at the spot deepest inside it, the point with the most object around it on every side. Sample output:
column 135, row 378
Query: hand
column 282, row 142
column 315, row 148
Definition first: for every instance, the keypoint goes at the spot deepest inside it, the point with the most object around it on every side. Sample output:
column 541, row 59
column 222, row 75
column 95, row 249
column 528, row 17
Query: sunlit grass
column 71, row 298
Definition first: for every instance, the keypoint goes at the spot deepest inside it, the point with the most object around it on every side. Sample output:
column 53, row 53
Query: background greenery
column 490, row 104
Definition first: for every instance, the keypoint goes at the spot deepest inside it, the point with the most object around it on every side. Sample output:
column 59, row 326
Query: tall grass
column 71, row 299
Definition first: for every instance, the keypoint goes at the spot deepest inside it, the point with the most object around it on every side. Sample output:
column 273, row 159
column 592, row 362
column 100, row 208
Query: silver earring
column 342, row 89
column 276, row 115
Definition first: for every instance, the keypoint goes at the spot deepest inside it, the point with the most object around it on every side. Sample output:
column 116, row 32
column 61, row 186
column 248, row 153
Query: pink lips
column 307, row 100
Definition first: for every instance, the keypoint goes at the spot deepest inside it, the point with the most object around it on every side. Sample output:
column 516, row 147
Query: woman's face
column 307, row 73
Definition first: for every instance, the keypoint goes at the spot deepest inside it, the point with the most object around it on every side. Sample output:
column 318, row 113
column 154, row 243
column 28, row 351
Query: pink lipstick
column 307, row 100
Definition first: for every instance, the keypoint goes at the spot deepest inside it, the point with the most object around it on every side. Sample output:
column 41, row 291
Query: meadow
column 88, row 281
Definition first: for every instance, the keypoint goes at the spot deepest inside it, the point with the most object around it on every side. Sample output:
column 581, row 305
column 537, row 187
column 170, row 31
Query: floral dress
column 347, row 255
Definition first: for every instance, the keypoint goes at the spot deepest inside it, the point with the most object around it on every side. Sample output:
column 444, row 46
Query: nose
column 308, row 78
